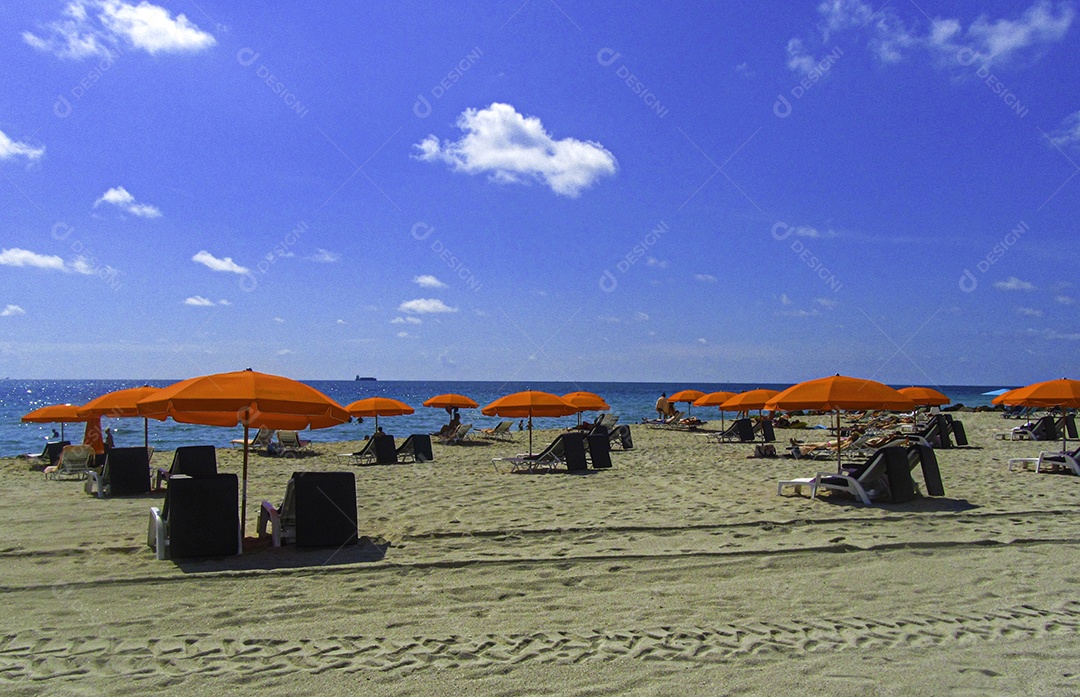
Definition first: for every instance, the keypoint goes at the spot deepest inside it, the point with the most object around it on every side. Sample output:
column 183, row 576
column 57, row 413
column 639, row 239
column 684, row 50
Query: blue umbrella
column 996, row 393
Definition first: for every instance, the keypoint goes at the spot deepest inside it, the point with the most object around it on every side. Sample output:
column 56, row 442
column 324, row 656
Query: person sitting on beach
column 450, row 428
column 109, row 443
column 663, row 407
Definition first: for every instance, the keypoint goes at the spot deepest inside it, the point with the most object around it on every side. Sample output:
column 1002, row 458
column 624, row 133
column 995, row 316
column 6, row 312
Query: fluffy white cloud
column 1014, row 283
column 891, row 37
column 429, row 281
column 284, row 352
column 24, row 257
column 324, row 257
column 214, row 264
column 406, row 320
column 106, row 27
column 119, row 197
column 403, row 335
column 423, row 306
column 705, row 278
column 1067, row 134
column 341, row 321
column 12, row 311
column 10, row 149
column 1029, row 312
column 279, row 320
column 199, row 301
column 1064, row 299
column 512, row 148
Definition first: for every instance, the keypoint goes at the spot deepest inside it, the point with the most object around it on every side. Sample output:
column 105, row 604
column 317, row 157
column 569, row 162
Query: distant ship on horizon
column 366, row 377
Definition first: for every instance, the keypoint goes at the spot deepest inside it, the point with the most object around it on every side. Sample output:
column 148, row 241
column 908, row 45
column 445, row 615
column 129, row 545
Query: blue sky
column 536, row 190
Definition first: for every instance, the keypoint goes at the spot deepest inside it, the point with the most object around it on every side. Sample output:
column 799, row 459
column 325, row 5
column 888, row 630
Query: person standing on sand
column 662, row 406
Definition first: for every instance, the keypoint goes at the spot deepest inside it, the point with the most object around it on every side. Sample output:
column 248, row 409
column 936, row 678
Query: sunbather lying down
column 845, row 442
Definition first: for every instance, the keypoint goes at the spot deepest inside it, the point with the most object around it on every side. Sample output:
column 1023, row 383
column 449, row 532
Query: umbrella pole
column 839, row 469
column 243, row 498
column 146, row 433
column 530, row 434
column 61, row 430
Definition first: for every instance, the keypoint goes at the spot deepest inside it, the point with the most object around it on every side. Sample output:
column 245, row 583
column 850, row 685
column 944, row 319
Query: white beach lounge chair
column 75, row 463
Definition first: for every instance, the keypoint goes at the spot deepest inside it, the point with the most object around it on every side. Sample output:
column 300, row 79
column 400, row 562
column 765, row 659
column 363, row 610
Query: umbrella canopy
column 688, row 396
column 715, row 399
column 586, row 401
column 121, row 403
column 924, row 396
column 53, row 414
column 837, row 393
column 92, row 435
column 246, row 398
column 752, row 399
column 451, row 401
column 1063, row 393
column 529, row 403
column 1052, row 393
column 378, row 406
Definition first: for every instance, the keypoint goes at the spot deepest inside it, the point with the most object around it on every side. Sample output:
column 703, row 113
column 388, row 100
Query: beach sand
column 678, row 571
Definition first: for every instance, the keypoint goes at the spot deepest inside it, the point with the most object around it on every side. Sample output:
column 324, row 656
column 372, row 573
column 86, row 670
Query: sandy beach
column 678, row 571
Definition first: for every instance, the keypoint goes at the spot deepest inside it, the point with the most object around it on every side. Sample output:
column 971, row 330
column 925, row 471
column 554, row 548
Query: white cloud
column 119, row 197
column 655, row 263
column 199, row 301
column 10, row 149
column 798, row 313
column 214, row 264
column 641, row 317
column 1064, row 299
column 223, row 302
column 429, row 281
column 92, row 28
column 512, row 148
column 341, row 321
column 279, row 320
column 24, row 257
column 744, row 70
column 406, row 320
column 1068, row 134
column 813, row 232
column 705, row 278
column 12, row 311
column 891, row 37
column 1029, row 312
column 702, row 341
column 324, row 257
column 284, row 352
column 403, row 335
column 784, row 299
column 1014, row 283
column 422, row 306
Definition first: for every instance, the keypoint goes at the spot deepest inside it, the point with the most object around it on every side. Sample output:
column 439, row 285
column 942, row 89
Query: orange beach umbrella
column 121, row 403
column 924, row 396
column 751, row 399
column 688, row 396
column 586, row 401
column 840, row 393
column 715, row 399
column 451, row 401
column 378, row 406
column 528, row 404
column 1063, row 393
column 248, row 398
column 54, row 414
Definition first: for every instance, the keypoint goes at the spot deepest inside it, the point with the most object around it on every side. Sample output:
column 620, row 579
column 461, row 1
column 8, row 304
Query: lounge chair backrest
column 744, row 429
column 202, row 515
column 1069, row 423
column 599, row 451
column 127, row 471
column 574, row 451
column 930, row 472
column 52, row 451
column 767, row 432
column 898, row 472
column 462, row 431
column 1046, row 429
column 944, row 431
column 324, row 508
column 263, row 437
column 503, row 427
column 290, row 439
column 76, row 458
column 194, row 461
column 959, row 434
column 599, row 430
column 385, row 450
column 622, row 433
column 421, row 447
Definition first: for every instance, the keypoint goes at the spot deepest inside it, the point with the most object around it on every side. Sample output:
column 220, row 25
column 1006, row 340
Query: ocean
column 632, row 401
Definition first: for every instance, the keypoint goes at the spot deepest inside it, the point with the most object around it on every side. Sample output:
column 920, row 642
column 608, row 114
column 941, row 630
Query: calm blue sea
column 630, row 400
